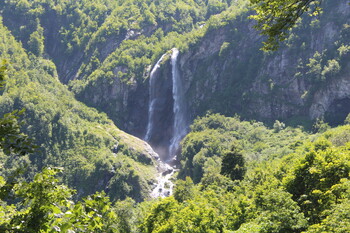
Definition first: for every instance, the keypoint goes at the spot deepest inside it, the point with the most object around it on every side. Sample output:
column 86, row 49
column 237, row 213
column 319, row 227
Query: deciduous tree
column 275, row 17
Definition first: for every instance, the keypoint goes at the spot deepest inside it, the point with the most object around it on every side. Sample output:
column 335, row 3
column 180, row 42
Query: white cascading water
column 164, row 185
column 152, row 99
column 179, row 106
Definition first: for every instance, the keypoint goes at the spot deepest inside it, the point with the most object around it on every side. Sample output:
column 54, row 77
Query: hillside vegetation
column 268, row 145
column 69, row 134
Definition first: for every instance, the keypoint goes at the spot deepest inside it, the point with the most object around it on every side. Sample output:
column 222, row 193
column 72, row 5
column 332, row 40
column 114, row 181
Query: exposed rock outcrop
column 238, row 78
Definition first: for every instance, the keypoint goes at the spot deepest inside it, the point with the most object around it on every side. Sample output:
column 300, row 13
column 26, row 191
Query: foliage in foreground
column 306, row 190
column 44, row 205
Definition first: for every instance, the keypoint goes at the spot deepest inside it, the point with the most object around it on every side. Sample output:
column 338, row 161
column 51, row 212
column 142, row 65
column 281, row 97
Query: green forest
column 90, row 108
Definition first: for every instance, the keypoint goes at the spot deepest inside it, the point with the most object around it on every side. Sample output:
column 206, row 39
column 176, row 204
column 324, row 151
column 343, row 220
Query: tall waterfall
column 179, row 109
column 157, row 109
column 152, row 99
column 178, row 126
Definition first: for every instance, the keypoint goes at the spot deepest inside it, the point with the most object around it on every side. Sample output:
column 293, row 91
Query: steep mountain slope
column 96, row 155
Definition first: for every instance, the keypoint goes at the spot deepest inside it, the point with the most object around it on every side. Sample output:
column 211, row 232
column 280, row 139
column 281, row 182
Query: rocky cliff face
column 238, row 78
column 226, row 72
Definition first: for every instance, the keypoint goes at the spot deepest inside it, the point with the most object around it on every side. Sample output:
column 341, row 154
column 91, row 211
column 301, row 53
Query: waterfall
column 179, row 124
column 179, row 109
column 152, row 99
column 164, row 185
